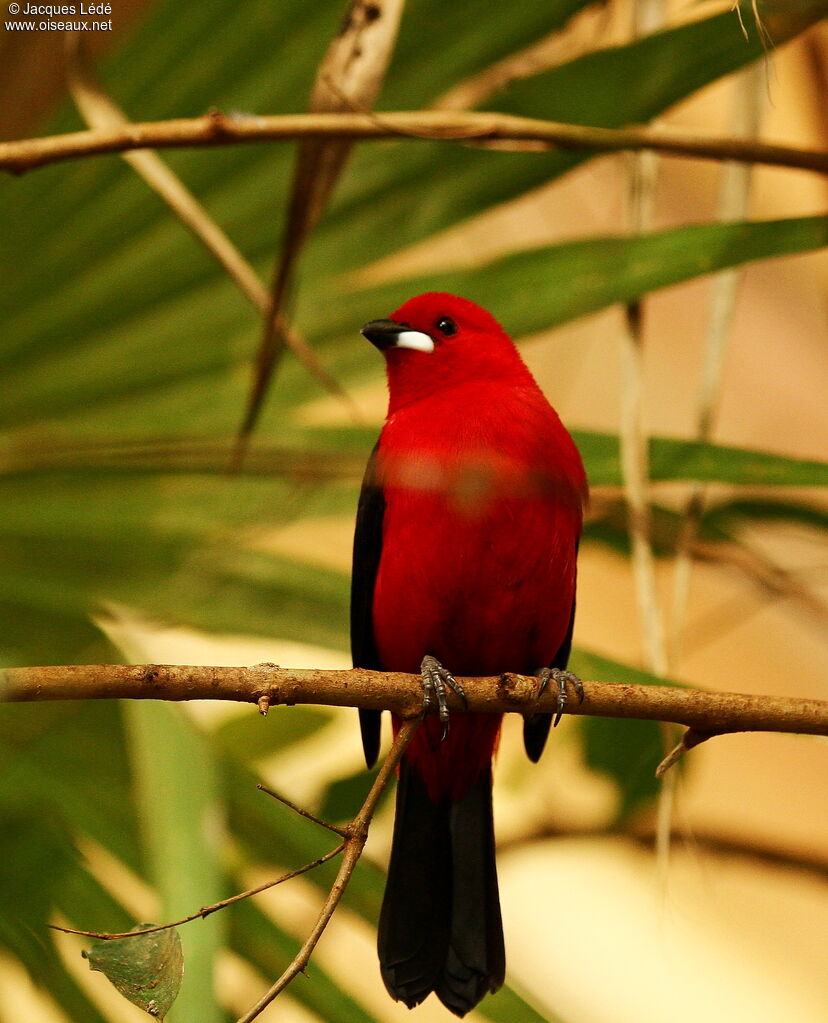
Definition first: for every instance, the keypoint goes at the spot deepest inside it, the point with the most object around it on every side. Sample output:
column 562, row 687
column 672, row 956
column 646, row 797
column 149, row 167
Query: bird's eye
column 446, row 326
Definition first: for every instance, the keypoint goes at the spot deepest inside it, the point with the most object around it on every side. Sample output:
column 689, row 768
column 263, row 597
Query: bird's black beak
column 382, row 333
column 386, row 334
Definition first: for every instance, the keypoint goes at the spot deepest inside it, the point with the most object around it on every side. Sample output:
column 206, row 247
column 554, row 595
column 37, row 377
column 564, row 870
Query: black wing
column 536, row 728
column 367, row 552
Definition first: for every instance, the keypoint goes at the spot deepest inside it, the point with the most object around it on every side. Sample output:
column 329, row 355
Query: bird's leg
column 436, row 679
column 560, row 677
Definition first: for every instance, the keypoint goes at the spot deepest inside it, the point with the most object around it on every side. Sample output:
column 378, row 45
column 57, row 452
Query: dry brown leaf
column 349, row 78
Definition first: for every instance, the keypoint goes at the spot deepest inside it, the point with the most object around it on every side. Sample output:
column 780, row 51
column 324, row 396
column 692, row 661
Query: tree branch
column 218, row 129
column 696, row 839
column 206, row 911
column 357, row 835
column 705, row 712
column 354, row 835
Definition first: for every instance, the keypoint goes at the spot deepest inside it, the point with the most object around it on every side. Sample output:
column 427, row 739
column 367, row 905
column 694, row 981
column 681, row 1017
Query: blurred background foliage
column 126, row 356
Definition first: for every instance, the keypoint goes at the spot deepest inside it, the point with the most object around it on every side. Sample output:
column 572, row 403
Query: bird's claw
column 560, row 677
column 436, row 680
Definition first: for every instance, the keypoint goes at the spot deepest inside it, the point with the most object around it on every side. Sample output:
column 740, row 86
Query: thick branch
column 269, row 685
column 217, row 129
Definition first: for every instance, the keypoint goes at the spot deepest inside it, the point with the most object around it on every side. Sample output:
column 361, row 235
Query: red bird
column 464, row 563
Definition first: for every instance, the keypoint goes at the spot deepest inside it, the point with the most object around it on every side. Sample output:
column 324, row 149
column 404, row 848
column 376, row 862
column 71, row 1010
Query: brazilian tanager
column 464, row 564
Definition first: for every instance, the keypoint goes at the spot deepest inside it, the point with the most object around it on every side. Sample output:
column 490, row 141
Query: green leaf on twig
column 146, row 969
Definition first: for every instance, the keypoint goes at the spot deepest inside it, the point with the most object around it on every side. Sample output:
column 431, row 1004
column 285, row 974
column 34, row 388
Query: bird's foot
column 436, row 681
column 560, row 677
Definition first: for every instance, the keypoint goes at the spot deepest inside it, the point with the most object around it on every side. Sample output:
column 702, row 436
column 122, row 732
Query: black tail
column 440, row 927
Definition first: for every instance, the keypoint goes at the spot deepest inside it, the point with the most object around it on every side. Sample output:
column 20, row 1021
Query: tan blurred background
column 592, row 927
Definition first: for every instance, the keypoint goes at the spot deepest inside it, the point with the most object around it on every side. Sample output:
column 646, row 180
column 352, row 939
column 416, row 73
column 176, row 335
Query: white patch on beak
column 414, row 339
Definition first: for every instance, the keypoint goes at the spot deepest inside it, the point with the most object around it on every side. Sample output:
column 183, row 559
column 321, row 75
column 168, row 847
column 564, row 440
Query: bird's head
column 437, row 341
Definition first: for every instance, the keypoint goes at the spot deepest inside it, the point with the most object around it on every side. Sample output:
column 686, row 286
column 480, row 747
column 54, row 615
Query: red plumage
column 482, row 491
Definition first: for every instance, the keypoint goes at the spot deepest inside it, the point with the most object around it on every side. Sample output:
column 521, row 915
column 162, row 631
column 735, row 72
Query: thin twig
column 403, row 694
column 191, row 455
column 647, row 17
column 206, row 911
column 564, row 44
column 634, row 443
column 354, row 844
column 772, row 579
column 342, row 832
column 692, row 737
column 734, row 198
column 218, row 129
column 355, row 836
column 101, row 112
